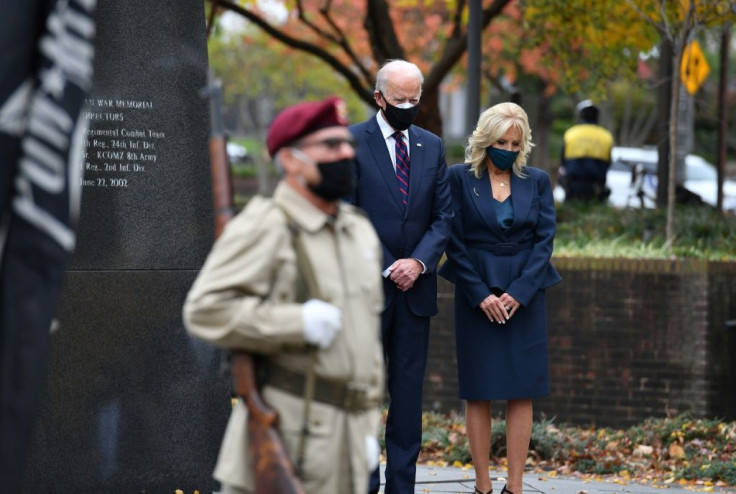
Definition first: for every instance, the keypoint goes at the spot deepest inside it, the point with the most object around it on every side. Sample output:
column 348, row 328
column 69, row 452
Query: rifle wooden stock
column 272, row 470
column 222, row 186
column 243, row 370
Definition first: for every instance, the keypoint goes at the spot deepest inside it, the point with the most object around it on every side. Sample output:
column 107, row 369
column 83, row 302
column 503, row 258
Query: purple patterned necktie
column 402, row 167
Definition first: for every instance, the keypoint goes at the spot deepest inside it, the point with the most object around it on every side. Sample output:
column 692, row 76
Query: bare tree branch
column 384, row 45
column 339, row 38
column 364, row 92
column 644, row 123
column 662, row 29
column 384, row 42
column 457, row 23
column 319, row 32
column 343, row 42
column 211, row 19
column 666, row 26
column 625, row 130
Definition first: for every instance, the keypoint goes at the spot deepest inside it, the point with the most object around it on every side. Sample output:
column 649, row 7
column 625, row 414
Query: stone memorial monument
column 132, row 404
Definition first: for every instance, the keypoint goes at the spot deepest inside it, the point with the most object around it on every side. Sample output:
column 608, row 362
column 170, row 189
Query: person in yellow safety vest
column 586, row 156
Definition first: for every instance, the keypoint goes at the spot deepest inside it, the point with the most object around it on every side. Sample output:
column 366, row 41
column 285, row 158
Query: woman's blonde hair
column 492, row 125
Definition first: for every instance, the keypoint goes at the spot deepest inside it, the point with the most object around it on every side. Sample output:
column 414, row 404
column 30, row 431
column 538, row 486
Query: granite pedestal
column 132, row 403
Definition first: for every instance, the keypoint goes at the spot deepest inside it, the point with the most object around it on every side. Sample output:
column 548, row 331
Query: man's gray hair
column 392, row 66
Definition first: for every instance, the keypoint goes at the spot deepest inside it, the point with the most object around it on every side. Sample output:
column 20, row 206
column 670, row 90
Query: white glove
column 372, row 451
column 321, row 321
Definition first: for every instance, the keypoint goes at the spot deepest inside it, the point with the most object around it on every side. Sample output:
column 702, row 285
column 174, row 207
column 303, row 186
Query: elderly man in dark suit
column 402, row 185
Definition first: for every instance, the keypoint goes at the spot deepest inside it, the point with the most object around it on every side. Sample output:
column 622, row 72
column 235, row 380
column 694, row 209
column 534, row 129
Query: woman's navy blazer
column 481, row 256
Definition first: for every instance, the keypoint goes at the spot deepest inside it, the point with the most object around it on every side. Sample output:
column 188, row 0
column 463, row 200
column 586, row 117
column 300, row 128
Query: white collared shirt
column 388, row 138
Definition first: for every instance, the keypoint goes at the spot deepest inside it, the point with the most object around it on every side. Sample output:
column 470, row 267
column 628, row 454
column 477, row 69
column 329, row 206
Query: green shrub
column 725, row 471
column 599, row 230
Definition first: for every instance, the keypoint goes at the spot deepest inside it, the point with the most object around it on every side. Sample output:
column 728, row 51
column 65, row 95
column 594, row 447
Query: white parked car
column 701, row 178
column 237, row 153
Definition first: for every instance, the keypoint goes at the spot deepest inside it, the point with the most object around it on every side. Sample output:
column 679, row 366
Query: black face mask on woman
column 337, row 177
column 402, row 116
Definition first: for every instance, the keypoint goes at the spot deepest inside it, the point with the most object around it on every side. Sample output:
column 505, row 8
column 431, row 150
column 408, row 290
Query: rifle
column 272, row 470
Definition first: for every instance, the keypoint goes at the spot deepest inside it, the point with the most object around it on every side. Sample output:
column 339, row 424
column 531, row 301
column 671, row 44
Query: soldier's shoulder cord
column 307, row 286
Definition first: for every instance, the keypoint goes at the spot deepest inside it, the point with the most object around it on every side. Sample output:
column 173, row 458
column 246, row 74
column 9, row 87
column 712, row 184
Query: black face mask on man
column 400, row 117
column 337, row 177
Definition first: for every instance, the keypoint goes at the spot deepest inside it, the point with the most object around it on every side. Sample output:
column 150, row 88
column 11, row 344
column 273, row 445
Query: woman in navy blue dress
column 498, row 258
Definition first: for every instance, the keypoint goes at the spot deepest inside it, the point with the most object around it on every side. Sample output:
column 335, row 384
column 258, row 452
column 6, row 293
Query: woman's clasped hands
column 499, row 309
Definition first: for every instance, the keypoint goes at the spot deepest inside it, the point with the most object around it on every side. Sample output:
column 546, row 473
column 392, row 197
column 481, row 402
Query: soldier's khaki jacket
column 245, row 298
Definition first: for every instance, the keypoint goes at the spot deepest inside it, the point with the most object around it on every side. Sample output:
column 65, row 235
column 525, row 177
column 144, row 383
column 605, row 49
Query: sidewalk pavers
column 451, row 480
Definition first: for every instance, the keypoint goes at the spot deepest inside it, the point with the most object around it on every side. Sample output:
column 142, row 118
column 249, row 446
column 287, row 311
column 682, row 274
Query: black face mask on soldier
column 402, row 116
column 337, row 177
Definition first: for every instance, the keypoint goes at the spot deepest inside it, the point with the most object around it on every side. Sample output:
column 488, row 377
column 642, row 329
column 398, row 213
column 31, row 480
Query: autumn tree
column 677, row 23
column 543, row 46
column 598, row 41
column 260, row 75
column 591, row 48
column 512, row 71
column 588, row 44
column 356, row 38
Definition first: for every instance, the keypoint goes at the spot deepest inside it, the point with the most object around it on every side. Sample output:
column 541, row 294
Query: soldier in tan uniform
column 247, row 297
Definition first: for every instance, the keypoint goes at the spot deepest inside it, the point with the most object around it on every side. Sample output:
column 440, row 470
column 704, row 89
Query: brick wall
column 629, row 339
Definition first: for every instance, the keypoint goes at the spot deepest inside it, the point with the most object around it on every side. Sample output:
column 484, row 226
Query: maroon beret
column 301, row 119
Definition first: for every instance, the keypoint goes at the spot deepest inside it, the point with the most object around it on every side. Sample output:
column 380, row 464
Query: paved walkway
column 450, row 480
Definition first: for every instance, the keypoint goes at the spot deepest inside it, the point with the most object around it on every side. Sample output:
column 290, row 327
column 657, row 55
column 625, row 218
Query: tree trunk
column 377, row 23
column 664, row 101
column 678, row 49
column 429, row 117
column 542, row 132
column 722, row 113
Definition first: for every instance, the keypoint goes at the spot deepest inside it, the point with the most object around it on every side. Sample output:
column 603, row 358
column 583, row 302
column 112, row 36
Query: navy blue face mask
column 502, row 159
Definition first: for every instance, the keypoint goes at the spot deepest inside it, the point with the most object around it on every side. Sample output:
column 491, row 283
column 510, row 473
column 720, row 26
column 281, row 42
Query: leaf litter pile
column 681, row 450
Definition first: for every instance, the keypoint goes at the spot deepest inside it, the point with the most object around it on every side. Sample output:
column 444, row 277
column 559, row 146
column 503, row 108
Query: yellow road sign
column 694, row 68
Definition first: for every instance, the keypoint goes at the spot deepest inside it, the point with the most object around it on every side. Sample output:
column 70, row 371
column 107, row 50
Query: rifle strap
column 307, row 282
column 310, row 289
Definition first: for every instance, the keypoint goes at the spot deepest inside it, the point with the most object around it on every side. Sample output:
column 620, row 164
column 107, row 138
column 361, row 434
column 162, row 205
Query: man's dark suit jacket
column 421, row 229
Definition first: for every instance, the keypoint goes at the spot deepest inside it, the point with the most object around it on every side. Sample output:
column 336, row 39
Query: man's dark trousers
column 419, row 230
column 405, row 346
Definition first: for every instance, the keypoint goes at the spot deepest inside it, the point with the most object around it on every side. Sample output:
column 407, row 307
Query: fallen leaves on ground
column 697, row 453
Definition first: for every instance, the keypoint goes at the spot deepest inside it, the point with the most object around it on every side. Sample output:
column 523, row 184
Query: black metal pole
column 473, row 74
